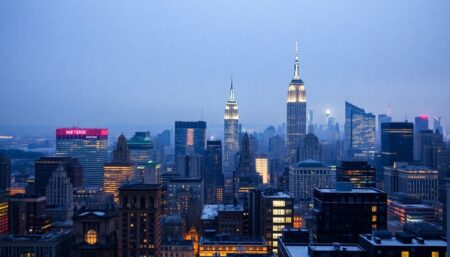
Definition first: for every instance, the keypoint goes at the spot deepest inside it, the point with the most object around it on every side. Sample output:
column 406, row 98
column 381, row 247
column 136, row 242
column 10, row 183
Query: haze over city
column 146, row 63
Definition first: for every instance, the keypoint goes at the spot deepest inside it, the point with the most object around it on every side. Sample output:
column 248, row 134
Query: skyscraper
column 190, row 137
column 59, row 197
column 307, row 175
column 359, row 173
column 296, row 112
column 437, row 127
column 420, row 123
column 89, row 146
column 140, row 147
column 119, row 170
column 213, row 177
column 397, row 142
column 359, row 132
column 139, row 220
column 245, row 176
column 231, row 133
column 5, row 172
column 382, row 118
column 45, row 166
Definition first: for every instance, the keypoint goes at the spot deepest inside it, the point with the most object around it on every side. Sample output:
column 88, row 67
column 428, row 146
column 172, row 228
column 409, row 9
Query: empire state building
column 296, row 113
column 231, row 134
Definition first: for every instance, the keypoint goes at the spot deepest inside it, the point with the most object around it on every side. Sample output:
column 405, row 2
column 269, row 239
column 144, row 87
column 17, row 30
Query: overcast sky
column 153, row 62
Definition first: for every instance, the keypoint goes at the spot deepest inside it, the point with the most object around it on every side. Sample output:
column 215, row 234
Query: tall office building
column 59, row 197
column 420, row 123
column 190, row 137
column 190, row 166
column 262, row 168
column 414, row 181
column 4, row 212
column 89, row 146
column 245, row 176
column 437, row 127
column 139, row 220
column 140, row 147
column 307, row 175
column 359, row 132
column 119, row 170
column 359, row 173
column 382, row 118
column 26, row 213
column 296, row 113
column 270, row 212
column 397, row 142
column 341, row 214
column 231, row 133
column 46, row 166
column 427, row 144
column 5, row 172
column 309, row 149
column 213, row 177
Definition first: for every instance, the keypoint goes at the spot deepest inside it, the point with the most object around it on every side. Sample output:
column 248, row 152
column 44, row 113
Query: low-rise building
column 223, row 245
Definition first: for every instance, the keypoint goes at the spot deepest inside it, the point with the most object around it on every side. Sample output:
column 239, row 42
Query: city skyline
column 118, row 63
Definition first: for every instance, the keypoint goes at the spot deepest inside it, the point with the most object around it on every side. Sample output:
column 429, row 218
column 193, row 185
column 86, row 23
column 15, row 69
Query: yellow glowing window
column 374, row 227
column 278, row 203
column 90, row 237
column 374, row 218
column 374, row 208
column 279, row 212
column 405, row 253
column 434, row 254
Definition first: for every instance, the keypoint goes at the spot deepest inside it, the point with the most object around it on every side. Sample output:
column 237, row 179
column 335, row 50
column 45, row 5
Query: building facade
column 139, row 220
column 89, row 146
column 190, row 137
column 296, row 113
column 59, row 197
column 231, row 133
column 359, row 133
column 307, row 175
column 397, row 142
column 5, row 172
column 359, row 173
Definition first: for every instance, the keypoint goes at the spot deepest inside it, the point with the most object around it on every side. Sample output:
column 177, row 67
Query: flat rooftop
column 393, row 241
column 353, row 190
column 303, row 249
column 211, row 211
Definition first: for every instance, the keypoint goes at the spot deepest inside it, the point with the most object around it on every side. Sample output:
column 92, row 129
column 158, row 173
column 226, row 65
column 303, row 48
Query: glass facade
column 190, row 137
column 359, row 133
column 89, row 146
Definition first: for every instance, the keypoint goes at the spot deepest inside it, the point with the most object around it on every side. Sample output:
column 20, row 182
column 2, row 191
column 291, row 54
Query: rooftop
column 353, row 190
column 140, row 186
column 309, row 164
column 226, row 239
column 397, row 241
column 48, row 237
column 211, row 211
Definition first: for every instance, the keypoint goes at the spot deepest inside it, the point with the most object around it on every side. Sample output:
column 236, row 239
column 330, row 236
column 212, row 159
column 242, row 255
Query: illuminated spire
column 296, row 65
column 231, row 98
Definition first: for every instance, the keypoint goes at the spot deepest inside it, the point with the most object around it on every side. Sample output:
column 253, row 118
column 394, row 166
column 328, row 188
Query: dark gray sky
column 153, row 62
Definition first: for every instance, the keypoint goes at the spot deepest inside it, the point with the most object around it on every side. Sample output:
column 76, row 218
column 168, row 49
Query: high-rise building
column 139, row 220
column 307, row 175
column 341, row 214
column 26, row 212
column 437, row 127
column 262, row 168
column 359, row 173
column 382, row 118
column 185, row 197
column 89, row 146
column 140, row 147
column 95, row 234
column 359, row 132
column 397, row 142
column 4, row 212
column 427, row 145
column 296, row 113
column 231, row 133
column 5, row 172
column 190, row 166
column 190, row 137
column 213, row 177
column 414, row 181
column 119, row 170
column 420, row 123
column 59, row 198
column 45, row 166
column 309, row 149
column 269, row 213
column 245, row 176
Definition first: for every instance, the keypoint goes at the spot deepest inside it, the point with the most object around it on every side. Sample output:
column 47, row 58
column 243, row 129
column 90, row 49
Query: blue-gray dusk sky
column 153, row 62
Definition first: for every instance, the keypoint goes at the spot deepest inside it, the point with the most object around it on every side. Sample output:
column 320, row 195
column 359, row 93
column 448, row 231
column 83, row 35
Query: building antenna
column 389, row 108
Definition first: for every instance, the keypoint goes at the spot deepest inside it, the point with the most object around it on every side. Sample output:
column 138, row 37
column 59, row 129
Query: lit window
column 434, row 254
column 374, row 218
column 374, row 208
column 278, row 203
column 405, row 253
column 90, row 237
